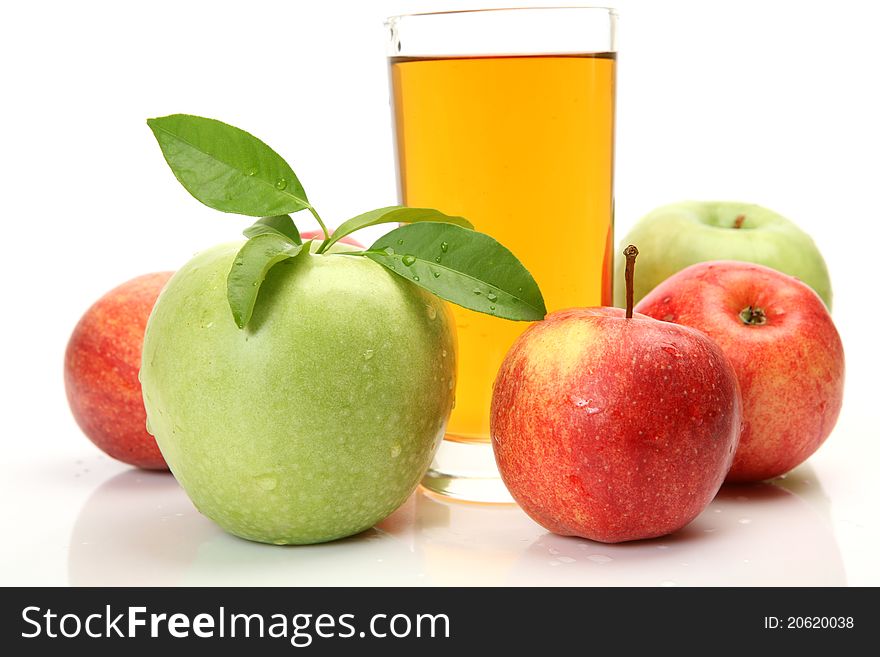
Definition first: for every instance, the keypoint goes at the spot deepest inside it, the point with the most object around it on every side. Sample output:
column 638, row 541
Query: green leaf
column 394, row 214
column 463, row 266
column 281, row 224
column 249, row 270
column 227, row 168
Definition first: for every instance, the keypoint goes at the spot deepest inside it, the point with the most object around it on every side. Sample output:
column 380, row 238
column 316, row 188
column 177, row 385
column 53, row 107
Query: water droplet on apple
column 671, row 350
column 281, row 184
column 408, row 260
column 444, row 246
column 585, row 404
column 667, row 299
column 395, row 451
column 267, row 482
column 744, row 521
column 368, row 354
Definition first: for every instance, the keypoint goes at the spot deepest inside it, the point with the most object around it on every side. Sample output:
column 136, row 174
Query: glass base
column 466, row 471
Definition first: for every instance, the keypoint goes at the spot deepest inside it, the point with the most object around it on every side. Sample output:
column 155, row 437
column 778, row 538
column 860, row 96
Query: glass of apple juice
column 506, row 117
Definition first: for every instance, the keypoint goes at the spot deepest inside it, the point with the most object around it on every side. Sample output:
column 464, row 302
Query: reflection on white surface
column 139, row 528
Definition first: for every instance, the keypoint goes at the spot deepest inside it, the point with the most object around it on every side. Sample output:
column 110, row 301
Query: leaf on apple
column 282, row 225
column 227, row 168
column 395, row 214
column 463, row 266
column 252, row 263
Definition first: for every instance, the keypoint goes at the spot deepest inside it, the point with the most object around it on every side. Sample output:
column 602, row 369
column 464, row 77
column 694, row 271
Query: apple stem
column 752, row 316
column 323, row 228
column 630, row 253
column 738, row 222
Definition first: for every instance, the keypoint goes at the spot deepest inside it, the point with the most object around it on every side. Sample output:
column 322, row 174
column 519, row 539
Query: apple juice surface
column 523, row 148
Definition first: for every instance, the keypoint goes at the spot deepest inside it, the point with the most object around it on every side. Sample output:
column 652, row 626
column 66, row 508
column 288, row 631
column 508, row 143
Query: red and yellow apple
column 614, row 428
column 783, row 345
column 101, row 372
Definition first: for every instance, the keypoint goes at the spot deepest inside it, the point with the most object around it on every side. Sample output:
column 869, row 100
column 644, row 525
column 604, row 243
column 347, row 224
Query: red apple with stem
column 101, row 367
column 785, row 350
column 614, row 426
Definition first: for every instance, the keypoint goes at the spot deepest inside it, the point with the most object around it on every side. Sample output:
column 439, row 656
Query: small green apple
column 678, row 235
column 316, row 420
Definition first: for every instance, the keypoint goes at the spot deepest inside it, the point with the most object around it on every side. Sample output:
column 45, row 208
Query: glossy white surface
column 91, row 521
column 779, row 108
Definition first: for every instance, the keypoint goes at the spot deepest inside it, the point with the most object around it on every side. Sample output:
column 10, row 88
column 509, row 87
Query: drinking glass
column 506, row 117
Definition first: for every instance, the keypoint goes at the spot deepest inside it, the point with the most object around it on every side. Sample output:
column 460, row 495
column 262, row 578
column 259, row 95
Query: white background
column 768, row 102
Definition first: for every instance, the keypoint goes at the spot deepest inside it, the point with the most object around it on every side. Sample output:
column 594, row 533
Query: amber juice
column 523, row 147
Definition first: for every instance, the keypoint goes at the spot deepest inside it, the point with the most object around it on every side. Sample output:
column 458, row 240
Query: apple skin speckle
column 652, row 456
column 790, row 368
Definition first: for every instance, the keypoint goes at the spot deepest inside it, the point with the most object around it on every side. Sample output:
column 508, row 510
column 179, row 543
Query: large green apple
column 678, row 235
column 320, row 417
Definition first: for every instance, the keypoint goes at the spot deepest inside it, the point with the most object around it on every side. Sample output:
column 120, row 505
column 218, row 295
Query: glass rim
column 502, row 32
column 611, row 11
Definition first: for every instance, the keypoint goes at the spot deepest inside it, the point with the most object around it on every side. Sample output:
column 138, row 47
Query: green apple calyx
column 230, row 170
column 738, row 222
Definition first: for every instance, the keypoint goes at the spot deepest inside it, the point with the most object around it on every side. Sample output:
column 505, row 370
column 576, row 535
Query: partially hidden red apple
column 614, row 428
column 319, row 236
column 785, row 350
column 101, row 367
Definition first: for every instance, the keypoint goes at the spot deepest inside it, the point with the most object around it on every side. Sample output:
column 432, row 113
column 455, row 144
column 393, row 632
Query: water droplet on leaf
column 388, row 251
column 408, row 260
column 492, row 296
column 281, row 184
column 400, row 242
column 444, row 246
column 416, row 278
column 477, row 291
